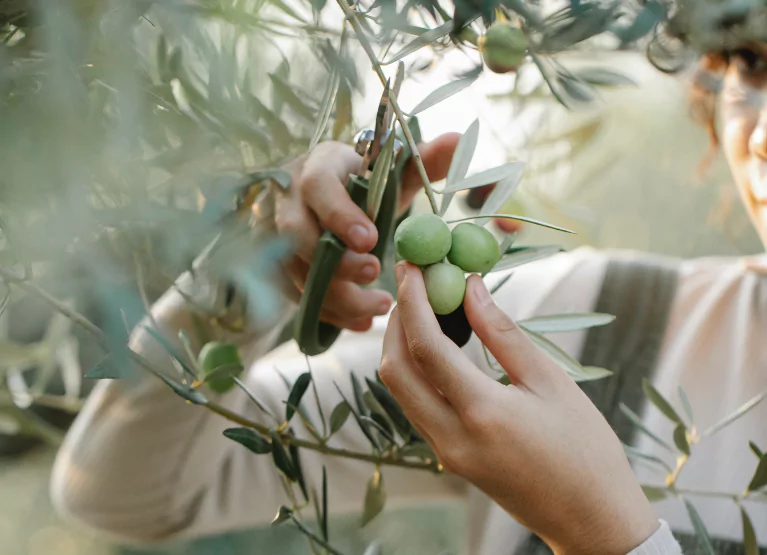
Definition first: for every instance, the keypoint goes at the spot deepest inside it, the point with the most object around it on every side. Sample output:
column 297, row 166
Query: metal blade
column 380, row 128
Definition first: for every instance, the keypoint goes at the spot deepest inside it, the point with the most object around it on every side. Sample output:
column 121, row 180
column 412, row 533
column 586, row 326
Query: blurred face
column 744, row 129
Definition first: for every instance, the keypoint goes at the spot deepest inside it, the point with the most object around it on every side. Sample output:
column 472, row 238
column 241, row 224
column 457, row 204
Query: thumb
column 522, row 360
column 436, row 156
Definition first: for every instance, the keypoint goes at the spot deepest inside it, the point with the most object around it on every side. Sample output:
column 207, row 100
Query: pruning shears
column 312, row 335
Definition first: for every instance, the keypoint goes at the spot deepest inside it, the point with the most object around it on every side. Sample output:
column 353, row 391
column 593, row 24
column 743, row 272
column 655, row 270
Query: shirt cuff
column 662, row 542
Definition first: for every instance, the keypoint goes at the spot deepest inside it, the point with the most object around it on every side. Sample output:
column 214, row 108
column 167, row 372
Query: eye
column 749, row 63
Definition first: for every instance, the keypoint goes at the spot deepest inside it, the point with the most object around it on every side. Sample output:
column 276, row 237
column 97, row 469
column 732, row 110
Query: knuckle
column 420, row 349
column 478, row 420
column 503, row 323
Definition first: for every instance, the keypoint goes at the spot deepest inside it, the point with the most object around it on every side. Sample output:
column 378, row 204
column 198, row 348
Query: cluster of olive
column 426, row 240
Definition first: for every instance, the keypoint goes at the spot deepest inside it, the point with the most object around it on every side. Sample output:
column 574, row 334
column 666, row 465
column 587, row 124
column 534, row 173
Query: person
column 142, row 465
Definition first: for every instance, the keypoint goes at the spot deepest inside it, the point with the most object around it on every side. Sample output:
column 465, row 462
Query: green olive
column 474, row 248
column 219, row 358
column 503, row 47
column 423, row 239
column 445, row 287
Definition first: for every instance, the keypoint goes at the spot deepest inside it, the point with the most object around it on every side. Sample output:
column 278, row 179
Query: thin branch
column 351, row 15
column 315, row 537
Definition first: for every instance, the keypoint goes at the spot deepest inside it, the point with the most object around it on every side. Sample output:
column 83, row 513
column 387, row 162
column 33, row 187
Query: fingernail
column 368, row 273
column 359, row 235
column 482, row 294
column 399, row 272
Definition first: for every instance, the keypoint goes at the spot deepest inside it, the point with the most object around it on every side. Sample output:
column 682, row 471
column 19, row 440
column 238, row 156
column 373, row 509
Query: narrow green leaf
column 172, row 351
column 357, row 416
column 735, row 415
column 565, row 361
column 750, row 545
column 680, row 439
column 359, row 396
column 633, row 453
column 380, row 425
column 105, row 369
column 420, row 450
column 375, row 498
column 686, row 404
column 185, row 392
column 637, row 421
column 654, row 493
column 500, row 284
column 283, row 515
column 513, row 217
column 759, row 479
column 224, row 372
column 281, row 458
column 249, row 438
column 326, row 108
column 443, row 93
column 296, row 393
column 660, row 402
column 374, row 548
column 422, row 40
column 295, row 458
column 285, row 92
column 500, row 195
column 758, row 452
column 391, row 407
column 339, row 416
column 604, row 77
column 324, row 525
column 380, row 177
column 278, row 175
column 486, row 177
column 252, row 397
column 566, row 322
column 459, row 166
column 283, row 7
column 700, row 529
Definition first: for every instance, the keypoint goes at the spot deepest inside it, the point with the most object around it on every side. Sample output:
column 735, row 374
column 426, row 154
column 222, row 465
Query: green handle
column 313, row 336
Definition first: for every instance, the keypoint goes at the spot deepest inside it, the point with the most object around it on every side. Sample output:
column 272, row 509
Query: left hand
column 538, row 447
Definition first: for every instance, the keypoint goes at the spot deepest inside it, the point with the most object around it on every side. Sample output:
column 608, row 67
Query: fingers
column 521, row 359
column 423, row 405
column 443, row 363
column 436, row 156
column 323, row 190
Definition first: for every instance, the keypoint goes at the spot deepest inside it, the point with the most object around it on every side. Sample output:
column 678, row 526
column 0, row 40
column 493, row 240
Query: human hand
column 538, row 447
column 317, row 200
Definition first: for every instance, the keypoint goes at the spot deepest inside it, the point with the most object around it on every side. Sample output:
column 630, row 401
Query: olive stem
column 351, row 15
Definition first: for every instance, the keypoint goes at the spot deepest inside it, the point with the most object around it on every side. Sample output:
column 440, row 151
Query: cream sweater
column 141, row 465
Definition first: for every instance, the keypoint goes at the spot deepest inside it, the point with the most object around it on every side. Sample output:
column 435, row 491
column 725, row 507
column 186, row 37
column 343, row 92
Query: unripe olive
column 503, row 47
column 445, row 287
column 216, row 355
column 474, row 248
column 423, row 239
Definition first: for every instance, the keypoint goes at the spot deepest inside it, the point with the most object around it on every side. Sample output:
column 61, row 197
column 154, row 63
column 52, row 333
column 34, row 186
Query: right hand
column 317, row 200
column 538, row 447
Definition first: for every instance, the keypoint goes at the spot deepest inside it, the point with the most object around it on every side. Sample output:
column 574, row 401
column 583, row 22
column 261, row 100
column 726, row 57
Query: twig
column 351, row 15
column 314, row 536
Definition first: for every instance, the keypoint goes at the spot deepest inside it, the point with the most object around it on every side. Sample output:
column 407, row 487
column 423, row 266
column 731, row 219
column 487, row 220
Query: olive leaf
column 339, row 416
column 290, row 98
column 359, row 396
column 283, row 515
column 742, row 410
column 324, row 523
column 566, row 322
column 700, row 528
column 391, row 407
column 278, row 175
column 680, row 439
column 379, row 177
column 185, row 392
column 603, row 77
column 443, row 93
column 686, row 404
column 512, row 217
column 252, row 397
column 380, row 425
column 249, row 438
column 654, row 493
column 566, row 362
column 326, row 107
column 172, row 351
column 418, row 449
column 422, row 40
column 759, row 479
column 486, row 177
column 375, row 497
column 459, row 166
column 634, row 453
column 281, row 458
column 637, row 421
column 660, row 402
column 500, row 195
column 296, row 394
column 295, row 457
column 223, row 372
column 106, row 369
column 750, row 544
column 755, row 449
column 363, row 426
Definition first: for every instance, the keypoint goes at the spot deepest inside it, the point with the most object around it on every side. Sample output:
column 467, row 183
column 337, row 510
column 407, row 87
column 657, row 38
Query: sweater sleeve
column 140, row 465
column 662, row 542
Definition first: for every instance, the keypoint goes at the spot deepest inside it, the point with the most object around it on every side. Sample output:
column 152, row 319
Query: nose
column 757, row 144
